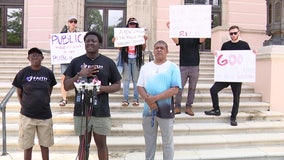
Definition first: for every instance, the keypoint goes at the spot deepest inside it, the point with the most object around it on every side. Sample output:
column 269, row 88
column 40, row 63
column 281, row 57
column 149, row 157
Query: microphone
column 80, row 87
column 96, row 88
column 95, row 98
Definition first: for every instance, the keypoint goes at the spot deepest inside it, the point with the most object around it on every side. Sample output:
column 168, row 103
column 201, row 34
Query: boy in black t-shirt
column 34, row 86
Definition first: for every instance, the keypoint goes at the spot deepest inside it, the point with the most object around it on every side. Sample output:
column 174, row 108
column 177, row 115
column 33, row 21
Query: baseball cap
column 72, row 18
column 34, row 50
column 133, row 21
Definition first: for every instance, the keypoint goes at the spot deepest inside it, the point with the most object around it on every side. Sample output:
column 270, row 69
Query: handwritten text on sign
column 129, row 36
column 190, row 21
column 66, row 46
column 235, row 66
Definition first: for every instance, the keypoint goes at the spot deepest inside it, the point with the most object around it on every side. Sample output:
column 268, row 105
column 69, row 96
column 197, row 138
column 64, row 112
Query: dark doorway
column 11, row 24
column 103, row 17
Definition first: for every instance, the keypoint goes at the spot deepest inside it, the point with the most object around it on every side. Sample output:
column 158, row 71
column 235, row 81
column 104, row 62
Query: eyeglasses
column 73, row 21
column 233, row 33
column 34, row 55
column 132, row 23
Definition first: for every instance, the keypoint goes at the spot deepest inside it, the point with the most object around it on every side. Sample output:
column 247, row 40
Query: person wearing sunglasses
column 71, row 28
column 234, row 44
column 132, row 60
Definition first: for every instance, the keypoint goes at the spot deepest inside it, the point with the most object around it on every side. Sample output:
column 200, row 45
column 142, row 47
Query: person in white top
column 71, row 28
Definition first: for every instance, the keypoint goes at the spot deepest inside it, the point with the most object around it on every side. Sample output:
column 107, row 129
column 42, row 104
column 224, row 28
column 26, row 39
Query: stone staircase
column 259, row 135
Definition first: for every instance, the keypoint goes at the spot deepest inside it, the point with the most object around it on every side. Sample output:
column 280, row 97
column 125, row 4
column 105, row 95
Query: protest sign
column 66, row 46
column 190, row 21
column 129, row 36
column 235, row 66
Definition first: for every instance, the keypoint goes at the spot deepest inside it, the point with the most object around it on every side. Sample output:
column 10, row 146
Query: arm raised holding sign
column 189, row 59
column 132, row 43
column 71, row 28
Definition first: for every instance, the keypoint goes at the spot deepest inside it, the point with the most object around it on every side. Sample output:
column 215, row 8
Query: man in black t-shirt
column 234, row 44
column 189, row 59
column 91, row 65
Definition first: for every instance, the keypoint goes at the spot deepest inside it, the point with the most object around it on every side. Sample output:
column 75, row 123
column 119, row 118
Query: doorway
column 104, row 20
column 11, row 26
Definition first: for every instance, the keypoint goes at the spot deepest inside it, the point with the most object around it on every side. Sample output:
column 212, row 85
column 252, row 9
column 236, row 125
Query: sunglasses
column 73, row 21
column 132, row 23
column 233, row 33
column 34, row 55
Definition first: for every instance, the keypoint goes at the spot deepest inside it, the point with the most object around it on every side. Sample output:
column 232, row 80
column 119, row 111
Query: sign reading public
column 235, row 66
column 66, row 46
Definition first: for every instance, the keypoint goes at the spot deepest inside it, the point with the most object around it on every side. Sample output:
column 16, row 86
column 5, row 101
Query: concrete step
column 116, row 107
column 12, row 72
column 181, row 128
column 272, row 152
column 120, row 117
column 259, row 135
column 185, row 142
column 200, row 88
column 203, row 97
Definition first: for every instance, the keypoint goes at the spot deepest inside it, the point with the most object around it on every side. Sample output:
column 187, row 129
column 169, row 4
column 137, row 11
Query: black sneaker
column 213, row 112
column 234, row 123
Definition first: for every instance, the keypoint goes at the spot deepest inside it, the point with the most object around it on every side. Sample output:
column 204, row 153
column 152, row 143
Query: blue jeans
column 130, row 73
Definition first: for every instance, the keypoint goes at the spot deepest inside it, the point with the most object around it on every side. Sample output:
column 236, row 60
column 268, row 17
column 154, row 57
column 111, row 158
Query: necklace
column 158, row 68
column 93, row 58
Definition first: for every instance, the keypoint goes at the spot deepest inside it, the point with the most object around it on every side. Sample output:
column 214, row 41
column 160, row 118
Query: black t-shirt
column 35, row 85
column 108, row 74
column 240, row 45
column 189, row 52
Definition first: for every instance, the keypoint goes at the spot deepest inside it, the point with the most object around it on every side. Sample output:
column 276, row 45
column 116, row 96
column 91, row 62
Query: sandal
column 124, row 103
column 135, row 103
column 62, row 102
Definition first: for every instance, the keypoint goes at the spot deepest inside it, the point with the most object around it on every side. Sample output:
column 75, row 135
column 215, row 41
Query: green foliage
column 14, row 27
column 94, row 20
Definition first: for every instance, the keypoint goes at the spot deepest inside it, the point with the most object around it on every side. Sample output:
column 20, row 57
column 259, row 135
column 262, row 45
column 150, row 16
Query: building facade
column 28, row 23
column 38, row 19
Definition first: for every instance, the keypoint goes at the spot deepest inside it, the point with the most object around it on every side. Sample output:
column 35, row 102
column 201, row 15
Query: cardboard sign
column 66, row 46
column 128, row 36
column 190, row 21
column 235, row 66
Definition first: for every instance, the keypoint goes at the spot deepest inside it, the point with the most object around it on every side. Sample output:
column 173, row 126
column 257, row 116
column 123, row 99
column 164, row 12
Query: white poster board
column 66, row 46
column 235, row 66
column 190, row 21
column 128, row 36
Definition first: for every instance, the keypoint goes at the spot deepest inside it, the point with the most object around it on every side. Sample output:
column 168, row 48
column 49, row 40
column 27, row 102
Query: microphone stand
column 81, row 87
column 89, row 87
column 91, row 93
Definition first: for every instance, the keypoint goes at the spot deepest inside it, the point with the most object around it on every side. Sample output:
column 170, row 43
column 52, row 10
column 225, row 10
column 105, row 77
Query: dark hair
column 34, row 50
column 132, row 19
column 234, row 27
column 100, row 38
column 163, row 43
